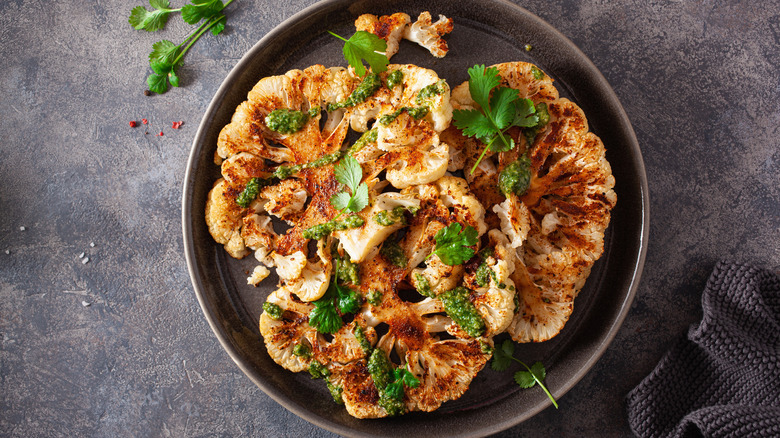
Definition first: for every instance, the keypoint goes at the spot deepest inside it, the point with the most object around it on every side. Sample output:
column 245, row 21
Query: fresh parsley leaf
column 452, row 246
column 163, row 52
column 200, row 9
column 166, row 56
column 525, row 379
column 151, row 21
column 526, row 115
column 348, row 300
column 481, row 81
column 500, row 109
column 219, row 24
column 365, row 46
column 473, row 123
column 533, row 375
column 409, row 379
column 359, row 199
column 157, row 83
column 324, row 317
column 502, row 106
column 349, row 173
column 502, row 357
column 340, row 201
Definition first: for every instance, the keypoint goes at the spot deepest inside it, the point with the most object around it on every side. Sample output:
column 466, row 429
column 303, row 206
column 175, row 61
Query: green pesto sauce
column 483, row 274
column 347, row 271
column 396, row 77
column 283, row 172
column 393, row 253
column 430, row 91
column 318, row 370
column 416, row 112
column 380, row 368
column 335, row 392
column 516, row 177
column 302, row 350
column 366, row 89
column 374, row 297
column 251, row 190
column 485, row 347
column 544, row 118
column 462, row 311
column 322, row 230
column 423, row 285
column 392, row 405
column 387, row 218
column 365, row 345
column 369, row 136
column 287, row 121
column 274, row 311
column 390, row 396
column 538, row 74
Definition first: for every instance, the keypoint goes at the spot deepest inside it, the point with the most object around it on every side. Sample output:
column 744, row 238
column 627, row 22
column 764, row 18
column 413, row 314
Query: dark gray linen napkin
column 723, row 380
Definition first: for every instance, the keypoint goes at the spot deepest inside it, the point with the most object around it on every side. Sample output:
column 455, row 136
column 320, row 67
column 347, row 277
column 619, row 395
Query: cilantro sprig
column 500, row 109
column 349, row 173
column 533, row 375
column 167, row 56
column 453, row 246
column 364, row 46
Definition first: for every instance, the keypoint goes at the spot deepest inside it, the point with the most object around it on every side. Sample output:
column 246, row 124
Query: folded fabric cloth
column 723, row 380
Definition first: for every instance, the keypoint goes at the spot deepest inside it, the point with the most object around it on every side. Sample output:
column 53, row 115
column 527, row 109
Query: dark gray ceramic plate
column 486, row 32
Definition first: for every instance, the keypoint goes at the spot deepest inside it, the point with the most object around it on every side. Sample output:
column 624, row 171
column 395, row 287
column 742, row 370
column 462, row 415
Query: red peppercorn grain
column 144, row 121
column 133, row 124
column 177, row 125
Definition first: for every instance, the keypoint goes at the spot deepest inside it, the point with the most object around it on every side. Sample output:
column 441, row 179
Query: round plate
column 486, row 32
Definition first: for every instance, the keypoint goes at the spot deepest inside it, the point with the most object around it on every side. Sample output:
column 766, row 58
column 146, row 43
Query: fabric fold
column 723, row 379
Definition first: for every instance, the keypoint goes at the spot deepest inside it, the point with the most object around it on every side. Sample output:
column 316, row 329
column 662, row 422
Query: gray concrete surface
column 100, row 331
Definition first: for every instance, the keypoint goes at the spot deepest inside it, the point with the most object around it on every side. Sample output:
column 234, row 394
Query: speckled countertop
column 100, row 331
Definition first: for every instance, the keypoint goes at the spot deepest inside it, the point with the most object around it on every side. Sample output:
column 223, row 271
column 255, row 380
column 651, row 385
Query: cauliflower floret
column 258, row 232
column 259, row 273
column 429, row 35
column 388, row 27
column 314, row 278
column 419, row 166
column 289, row 267
column 360, row 242
column 282, row 335
column 454, row 194
column 223, row 217
column 285, row 200
column 437, row 276
column 515, row 220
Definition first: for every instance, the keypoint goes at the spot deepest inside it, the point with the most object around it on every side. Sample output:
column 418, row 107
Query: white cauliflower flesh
column 557, row 225
column 388, row 27
column 376, row 299
column 429, row 34
column 360, row 242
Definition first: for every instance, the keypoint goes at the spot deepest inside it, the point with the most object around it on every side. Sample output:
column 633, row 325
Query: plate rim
column 194, row 270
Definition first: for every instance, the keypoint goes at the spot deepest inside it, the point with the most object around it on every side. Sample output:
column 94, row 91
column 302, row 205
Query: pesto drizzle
column 366, row 89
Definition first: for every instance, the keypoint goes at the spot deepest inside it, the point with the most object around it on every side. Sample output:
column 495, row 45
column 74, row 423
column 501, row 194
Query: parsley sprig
column 338, row 300
column 453, row 246
column 401, row 377
column 167, row 56
column 500, row 109
column 533, row 375
column 364, row 46
column 349, row 173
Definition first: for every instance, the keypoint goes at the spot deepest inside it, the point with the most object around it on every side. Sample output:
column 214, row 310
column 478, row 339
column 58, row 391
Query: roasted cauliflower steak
column 364, row 299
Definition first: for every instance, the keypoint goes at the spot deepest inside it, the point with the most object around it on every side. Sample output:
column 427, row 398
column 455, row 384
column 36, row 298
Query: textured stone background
column 118, row 346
